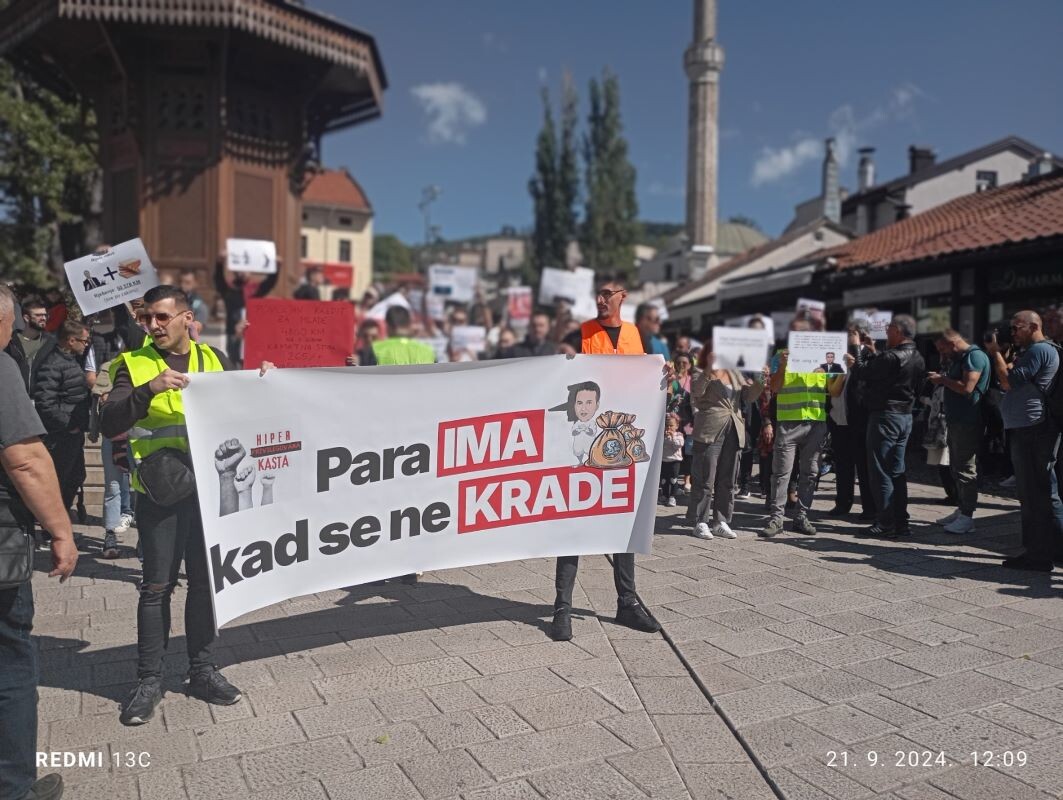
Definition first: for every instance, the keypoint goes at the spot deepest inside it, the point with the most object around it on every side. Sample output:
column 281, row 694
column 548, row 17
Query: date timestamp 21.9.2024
column 924, row 758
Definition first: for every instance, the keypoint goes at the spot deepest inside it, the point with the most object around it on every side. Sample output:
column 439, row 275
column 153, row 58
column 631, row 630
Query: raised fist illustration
column 245, row 477
column 228, row 455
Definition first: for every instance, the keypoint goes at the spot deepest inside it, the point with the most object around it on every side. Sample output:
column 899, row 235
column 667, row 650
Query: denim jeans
column 18, row 692
column 116, row 487
column 887, row 442
column 170, row 535
column 1033, row 455
column 623, row 579
column 797, row 446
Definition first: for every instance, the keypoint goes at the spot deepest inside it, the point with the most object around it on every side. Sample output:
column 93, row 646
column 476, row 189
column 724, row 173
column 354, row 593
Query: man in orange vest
column 605, row 335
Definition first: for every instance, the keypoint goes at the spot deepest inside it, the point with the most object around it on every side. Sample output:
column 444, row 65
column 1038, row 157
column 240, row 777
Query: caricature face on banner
column 295, row 500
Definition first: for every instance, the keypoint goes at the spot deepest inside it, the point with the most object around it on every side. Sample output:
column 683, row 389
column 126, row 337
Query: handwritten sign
column 107, row 279
column 251, row 255
column 299, row 333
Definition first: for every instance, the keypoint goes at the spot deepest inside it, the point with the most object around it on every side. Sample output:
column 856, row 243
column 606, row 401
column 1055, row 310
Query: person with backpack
column 1031, row 392
column 965, row 383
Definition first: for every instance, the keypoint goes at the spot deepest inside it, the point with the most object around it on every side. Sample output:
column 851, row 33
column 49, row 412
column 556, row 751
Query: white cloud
column 847, row 129
column 452, row 111
column 492, row 41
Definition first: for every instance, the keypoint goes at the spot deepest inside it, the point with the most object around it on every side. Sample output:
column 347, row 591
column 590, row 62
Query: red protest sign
column 298, row 333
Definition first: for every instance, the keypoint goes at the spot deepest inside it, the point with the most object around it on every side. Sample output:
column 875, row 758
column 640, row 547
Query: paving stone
column 366, row 682
column 849, row 650
column 804, row 631
column 671, row 696
column 823, row 605
column 1025, row 673
column 408, row 651
column 896, row 714
column 465, row 642
column 845, row 723
column 784, row 740
column 277, row 699
column 1046, row 703
column 850, row 622
column 699, row 738
column 590, row 671
column 832, row 686
column 635, row 728
column 811, row 780
column 335, row 718
column 304, row 790
column 447, row 731
column 774, row 665
column 502, row 721
column 725, row 782
column 947, row 658
column 1019, row 720
column 951, row 694
column 1054, row 658
column 720, row 679
column 564, row 708
column 521, row 755
column 961, row 735
column 652, row 771
column 521, row 658
column 765, row 702
column 886, row 673
column 588, row 783
column 690, row 630
column 218, row 779
column 883, row 773
column 107, row 789
column 281, row 765
column 985, row 784
column 398, row 706
column 515, row 685
column 929, row 632
column 389, row 742
column 514, row 790
column 453, row 697
column 748, row 643
column 445, row 774
column 384, row 781
column 620, row 693
column 649, row 659
column 245, row 735
column 1043, row 767
column 698, row 653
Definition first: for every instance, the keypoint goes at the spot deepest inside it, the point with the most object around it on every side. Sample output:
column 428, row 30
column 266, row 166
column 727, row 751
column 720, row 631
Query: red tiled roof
column 1016, row 213
column 335, row 187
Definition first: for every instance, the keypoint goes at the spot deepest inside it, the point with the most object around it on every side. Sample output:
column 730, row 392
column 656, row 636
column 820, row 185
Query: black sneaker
column 141, row 705
column 1024, row 562
column 50, row 787
column 561, row 626
column 211, row 687
column 636, row 618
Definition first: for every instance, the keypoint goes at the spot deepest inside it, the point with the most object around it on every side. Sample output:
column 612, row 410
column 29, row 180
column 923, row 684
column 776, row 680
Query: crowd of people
column 117, row 378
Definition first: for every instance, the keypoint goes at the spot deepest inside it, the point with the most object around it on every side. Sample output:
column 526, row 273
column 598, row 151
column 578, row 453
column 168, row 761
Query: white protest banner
column 251, row 255
column 816, row 351
column 296, row 500
column 453, row 283
column 575, row 286
column 878, row 321
column 107, row 279
column 743, row 322
column 468, row 338
column 744, row 349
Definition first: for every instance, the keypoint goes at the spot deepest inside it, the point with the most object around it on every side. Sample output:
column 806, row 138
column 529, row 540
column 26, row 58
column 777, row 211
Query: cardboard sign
column 814, row 351
column 104, row 280
column 298, row 333
column 453, row 283
column 298, row 494
column 878, row 321
column 468, row 338
column 251, row 255
column 744, row 349
column 519, row 304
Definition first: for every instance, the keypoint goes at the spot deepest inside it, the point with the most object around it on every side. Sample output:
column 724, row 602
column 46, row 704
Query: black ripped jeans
column 168, row 536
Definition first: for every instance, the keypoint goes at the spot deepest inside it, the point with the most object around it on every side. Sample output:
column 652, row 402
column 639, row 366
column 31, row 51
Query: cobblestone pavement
column 834, row 667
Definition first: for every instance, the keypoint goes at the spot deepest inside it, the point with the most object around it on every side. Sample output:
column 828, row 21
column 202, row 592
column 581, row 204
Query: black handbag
column 167, row 476
column 16, row 557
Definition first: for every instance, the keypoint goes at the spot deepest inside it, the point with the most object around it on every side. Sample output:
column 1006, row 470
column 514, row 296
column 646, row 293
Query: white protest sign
column 441, row 346
column 877, row 321
column 743, row 322
column 104, row 280
column 380, row 310
column 471, row 338
column 295, row 500
column 575, row 286
column 661, row 307
column 251, row 255
column 453, row 283
column 435, row 306
column 744, row 349
column 815, row 351
column 805, row 304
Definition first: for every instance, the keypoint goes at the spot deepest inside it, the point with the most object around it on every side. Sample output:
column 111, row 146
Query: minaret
column 703, row 61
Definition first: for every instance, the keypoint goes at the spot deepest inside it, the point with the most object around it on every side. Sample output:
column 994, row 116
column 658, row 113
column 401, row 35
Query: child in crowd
column 673, row 458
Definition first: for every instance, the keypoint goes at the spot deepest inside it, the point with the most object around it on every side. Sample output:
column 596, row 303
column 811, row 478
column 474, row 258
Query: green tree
column 543, row 188
column 50, row 181
column 567, row 171
column 390, row 255
column 610, row 224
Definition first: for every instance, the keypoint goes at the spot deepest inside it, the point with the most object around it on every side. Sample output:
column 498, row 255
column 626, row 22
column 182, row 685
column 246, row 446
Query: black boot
column 50, row 787
column 561, row 626
column 141, row 705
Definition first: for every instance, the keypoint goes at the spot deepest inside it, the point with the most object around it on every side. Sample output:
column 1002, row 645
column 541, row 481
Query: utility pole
column 429, row 194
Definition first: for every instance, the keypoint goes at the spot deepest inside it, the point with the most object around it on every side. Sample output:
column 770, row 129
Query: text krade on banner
column 315, row 479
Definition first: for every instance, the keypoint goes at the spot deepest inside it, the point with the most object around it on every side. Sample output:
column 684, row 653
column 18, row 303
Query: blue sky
column 462, row 110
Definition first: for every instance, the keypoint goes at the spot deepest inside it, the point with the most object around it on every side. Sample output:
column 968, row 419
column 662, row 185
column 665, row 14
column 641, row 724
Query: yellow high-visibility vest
column 803, row 398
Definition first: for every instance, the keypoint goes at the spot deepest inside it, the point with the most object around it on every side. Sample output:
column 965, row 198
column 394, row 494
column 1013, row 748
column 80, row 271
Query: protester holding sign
column 146, row 401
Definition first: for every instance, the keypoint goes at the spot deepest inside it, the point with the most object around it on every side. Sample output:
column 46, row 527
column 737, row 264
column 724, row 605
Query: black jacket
column 61, row 393
column 29, row 371
column 892, row 378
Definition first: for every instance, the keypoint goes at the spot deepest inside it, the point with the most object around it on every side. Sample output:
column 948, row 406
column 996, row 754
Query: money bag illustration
column 609, row 449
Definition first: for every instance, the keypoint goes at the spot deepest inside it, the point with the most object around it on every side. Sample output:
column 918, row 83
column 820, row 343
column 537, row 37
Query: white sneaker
column 723, row 530
column 701, row 530
column 962, row 524
column 124, row 523
column 1007, row 483
column 950, row 518
column 671, row 502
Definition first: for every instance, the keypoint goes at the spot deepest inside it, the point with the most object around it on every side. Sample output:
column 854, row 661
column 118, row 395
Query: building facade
column 337, row 230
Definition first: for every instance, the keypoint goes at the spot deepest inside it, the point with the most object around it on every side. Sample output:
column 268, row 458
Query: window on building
column 305, row 216
column 668, row 271
column 302, row 247
column 985, row 179
column 345, row 251
column 346, row 222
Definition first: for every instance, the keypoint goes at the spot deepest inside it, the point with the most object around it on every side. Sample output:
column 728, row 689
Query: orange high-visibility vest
column 596, row 340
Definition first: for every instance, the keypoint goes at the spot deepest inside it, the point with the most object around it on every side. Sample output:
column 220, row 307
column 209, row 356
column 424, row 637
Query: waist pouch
column 167, row 476
column 16, row 557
